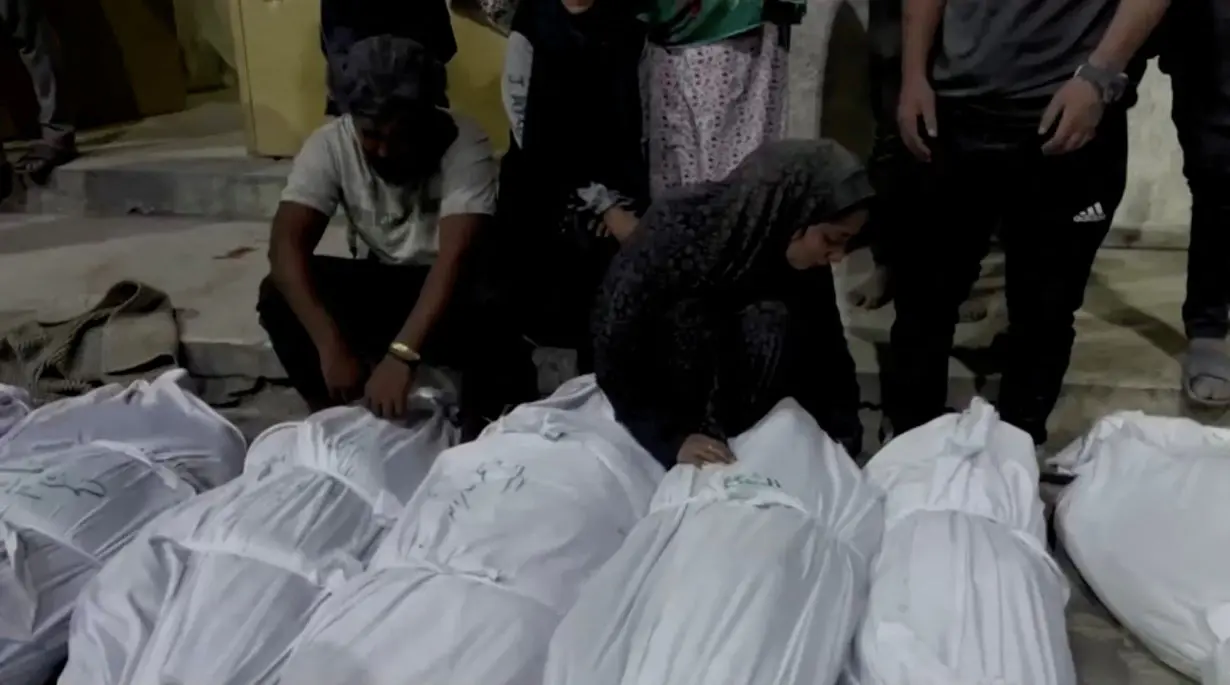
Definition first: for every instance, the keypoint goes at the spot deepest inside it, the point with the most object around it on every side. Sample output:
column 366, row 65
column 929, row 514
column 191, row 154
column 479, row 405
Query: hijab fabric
column 698, row 256
column 721, row 233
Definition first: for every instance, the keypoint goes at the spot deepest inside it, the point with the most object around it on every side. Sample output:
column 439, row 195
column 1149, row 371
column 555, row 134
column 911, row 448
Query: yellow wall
column 207, row 42
column 474, row 77
column 282, row 74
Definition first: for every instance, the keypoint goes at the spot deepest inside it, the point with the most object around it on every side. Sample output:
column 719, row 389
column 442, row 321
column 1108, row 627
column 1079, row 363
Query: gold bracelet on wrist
column 404, row 352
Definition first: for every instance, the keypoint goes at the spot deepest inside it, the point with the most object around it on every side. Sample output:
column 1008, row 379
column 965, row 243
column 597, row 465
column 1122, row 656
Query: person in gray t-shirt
column 1196, row 54
column 417, row 186
column 1016, row 111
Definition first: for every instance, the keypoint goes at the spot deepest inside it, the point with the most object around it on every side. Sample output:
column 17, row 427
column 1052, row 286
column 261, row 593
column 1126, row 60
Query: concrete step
column 195, row 164
column 222, row 188
column 215, row 179
column 192, row 163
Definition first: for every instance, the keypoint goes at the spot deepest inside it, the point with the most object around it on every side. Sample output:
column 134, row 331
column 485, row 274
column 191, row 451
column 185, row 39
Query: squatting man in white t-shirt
column 417, row 185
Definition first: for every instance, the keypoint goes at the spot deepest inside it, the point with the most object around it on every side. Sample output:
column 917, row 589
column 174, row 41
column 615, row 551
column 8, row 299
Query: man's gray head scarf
column 381, row 74
column 747, row 219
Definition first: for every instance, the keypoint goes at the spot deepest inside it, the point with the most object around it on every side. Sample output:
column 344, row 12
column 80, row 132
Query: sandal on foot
column 43, row 157
column 1206, row 359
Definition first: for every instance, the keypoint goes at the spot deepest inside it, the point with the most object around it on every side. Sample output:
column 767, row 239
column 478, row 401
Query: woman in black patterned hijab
column 722, row 304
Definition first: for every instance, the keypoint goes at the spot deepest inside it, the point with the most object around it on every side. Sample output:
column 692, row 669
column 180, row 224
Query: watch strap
column 1110, row 84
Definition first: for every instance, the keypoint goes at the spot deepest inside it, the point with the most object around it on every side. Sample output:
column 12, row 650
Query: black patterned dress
column 702, row 326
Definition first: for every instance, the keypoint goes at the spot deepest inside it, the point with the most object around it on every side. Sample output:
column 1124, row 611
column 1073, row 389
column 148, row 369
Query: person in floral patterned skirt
column 713, row 81
column 714, row 85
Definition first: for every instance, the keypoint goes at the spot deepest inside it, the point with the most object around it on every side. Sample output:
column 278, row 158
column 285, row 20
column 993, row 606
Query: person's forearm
column 433, row 299
column 919, row 21
column 293, row 276
column 1128, row 31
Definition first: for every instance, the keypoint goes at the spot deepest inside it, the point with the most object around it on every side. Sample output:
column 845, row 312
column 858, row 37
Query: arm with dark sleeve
column 625, row 338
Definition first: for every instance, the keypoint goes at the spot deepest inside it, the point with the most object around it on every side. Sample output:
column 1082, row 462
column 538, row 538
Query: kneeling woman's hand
column 699, row 450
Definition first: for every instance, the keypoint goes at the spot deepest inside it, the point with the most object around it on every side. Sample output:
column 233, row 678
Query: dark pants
column 1201, row 113
column 370, row 302
column 890, row 163
column 892, row 175
column 552, row 260
column 1052, row 214
column 26, row 24
column 765, row 351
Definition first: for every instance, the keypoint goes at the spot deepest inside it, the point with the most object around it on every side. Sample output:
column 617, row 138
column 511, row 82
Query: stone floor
column 1128, row 338
column 190, row 163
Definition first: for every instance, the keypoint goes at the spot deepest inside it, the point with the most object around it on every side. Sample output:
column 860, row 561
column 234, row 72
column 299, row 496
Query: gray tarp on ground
column 131, row 333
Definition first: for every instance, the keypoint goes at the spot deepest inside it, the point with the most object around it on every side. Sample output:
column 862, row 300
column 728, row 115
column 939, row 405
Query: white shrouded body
column 215, row 592
column 744, row 574
column 78, row 479
column 964, row 591
column 488, row 555
column 1147, row 523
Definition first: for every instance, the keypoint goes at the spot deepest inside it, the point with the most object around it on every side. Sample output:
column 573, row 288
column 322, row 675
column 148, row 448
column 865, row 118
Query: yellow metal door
column 281, row 72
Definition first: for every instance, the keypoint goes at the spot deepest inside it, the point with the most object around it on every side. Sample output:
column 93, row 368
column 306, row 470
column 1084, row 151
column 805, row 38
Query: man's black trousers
column 1053, row 213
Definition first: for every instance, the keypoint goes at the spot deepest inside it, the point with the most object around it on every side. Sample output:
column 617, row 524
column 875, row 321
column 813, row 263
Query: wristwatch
column 1110, row 84
column 405, row 353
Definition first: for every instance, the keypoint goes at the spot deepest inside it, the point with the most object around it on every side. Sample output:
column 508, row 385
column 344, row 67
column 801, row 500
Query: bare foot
column 872, row 293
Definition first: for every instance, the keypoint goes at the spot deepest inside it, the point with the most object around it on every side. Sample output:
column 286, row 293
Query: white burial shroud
column 1147, row 523
column 215, row 592
column 489, row 554
column 963, row 591
column 78, row 479
column 751, row 573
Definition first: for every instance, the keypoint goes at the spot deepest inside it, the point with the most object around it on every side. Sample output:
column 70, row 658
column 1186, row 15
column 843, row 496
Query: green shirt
column 695, row 22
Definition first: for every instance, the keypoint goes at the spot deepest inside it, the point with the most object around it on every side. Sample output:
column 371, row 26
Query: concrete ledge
column 195, row 164
column 222, row 189
column 191, row 163
column 243, row 188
